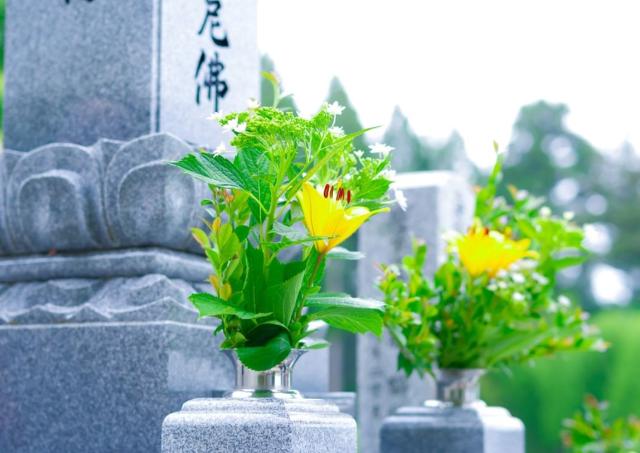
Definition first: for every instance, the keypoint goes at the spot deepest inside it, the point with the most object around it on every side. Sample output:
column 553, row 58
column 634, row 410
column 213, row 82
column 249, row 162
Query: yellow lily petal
column 484, row 251
column 325, row 216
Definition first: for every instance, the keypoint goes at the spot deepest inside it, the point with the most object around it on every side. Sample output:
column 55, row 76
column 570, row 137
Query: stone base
column 259, row 425
column 101, row 387
column 477, row 429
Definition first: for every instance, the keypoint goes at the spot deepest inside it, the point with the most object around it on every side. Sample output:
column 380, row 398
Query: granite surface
column 478, row 429
column 264, row 425
column 153, row 297
column 437, row 202
column 110, row 195
column 78, row 70
column 101, row 387
column 108, row 264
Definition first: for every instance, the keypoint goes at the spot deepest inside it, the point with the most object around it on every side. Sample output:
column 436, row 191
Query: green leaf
column 285, row 282
column 313, row 343
column 201, row 237
column 325, row 300
column 212, row 169
column 209, row 305
column 355, row 320
column 568, row 261
column 262, row 358
column 340, row 253
column 254, row 168
column 255, row 285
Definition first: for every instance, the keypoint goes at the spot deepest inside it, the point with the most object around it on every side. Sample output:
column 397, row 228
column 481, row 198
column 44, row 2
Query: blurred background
column 556, row 84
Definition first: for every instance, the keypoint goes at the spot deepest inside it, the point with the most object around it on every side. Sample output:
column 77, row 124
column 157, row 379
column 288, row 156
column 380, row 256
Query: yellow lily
column 482, row 250
column 329, row 216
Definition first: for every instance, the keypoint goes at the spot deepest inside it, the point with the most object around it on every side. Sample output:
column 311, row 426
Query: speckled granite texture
column 258, row 425
column 479, row 429
column 101, row 387
column 78, row 70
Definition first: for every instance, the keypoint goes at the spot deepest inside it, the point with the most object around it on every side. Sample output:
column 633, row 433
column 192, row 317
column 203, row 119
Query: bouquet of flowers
column 293, row 191
column 494, row 300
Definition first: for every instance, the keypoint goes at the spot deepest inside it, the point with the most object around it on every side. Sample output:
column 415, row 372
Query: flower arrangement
column 493, row 301
column 279, row 209
column 591, row 431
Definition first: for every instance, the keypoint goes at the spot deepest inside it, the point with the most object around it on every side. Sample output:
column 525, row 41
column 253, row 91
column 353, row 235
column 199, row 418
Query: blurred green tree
column 349, row 120
column 266, row 90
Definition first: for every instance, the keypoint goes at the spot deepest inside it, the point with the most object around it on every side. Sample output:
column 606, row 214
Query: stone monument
column 437, row 202
column 97, row 340
column 80, row 70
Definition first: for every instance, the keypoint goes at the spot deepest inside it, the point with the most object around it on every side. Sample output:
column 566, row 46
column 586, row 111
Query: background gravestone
column 437, row 202
column 80, row 70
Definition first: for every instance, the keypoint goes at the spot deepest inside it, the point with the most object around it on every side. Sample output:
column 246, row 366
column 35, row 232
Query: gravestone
column 437, row 202
column 97, row 339
column 80, row 70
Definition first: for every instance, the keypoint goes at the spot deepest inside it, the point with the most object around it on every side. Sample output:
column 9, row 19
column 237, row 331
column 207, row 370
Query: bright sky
column 465, row 65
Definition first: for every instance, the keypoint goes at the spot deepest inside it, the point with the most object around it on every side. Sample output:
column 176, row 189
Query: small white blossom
column 545, row 211
column 381, row 148
column 401, row 199
column 221, row 149
column 525, row 264
column 359, row 153
column 501, row 273
column 231, row 125
column 393, row 269
column 600, row 345
column 518, row 278
column 348, row 177
column 521, row 194
column 585, row 316
column 568, row 216
column 518, row 297
column 240, row 128
column 334, row 108
column 253, row 104
column 564, row 301
column 336, row 131
column 502, row 285
column 389, row 174
column 540, row 278
column 492, row 287
column 216, row 116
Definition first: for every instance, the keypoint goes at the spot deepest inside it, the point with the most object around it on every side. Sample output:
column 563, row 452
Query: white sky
column 465, row 65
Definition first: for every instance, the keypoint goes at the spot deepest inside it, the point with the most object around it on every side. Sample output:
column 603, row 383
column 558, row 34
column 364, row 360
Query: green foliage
column 555, row 386
column 269, row 305
column 488, row 306
column 590, row 431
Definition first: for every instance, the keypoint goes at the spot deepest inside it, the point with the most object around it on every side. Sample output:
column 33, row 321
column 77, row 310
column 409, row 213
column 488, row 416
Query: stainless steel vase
column 457, row 387
column 273, row 383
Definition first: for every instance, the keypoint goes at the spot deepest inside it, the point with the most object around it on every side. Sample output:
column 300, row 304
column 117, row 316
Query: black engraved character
column 210, row 80
column 213, row 7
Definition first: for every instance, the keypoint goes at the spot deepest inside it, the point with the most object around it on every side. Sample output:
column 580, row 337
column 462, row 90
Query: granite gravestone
column 97, row 340
column 79, row 70
column 437, row 202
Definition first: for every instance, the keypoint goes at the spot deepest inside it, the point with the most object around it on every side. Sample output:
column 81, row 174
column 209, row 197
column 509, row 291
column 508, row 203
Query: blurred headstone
column 80, row 70
column 437, row 202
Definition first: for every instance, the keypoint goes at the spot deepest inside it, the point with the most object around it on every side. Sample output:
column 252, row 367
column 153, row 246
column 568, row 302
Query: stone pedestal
column 265, row 425
column 437, row 202
column 476, row 429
